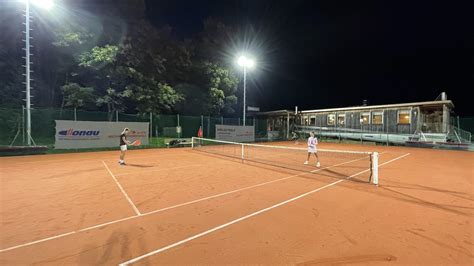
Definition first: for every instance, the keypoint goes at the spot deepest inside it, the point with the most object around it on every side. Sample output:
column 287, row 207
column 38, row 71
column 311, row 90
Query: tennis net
column 356, row 165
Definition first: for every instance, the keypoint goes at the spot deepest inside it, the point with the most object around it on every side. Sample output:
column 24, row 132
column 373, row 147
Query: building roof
column 277, row 112
column 385, row 106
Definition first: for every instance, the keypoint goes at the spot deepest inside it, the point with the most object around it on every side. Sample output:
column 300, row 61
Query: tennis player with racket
column 312, row 143
column 123, row 145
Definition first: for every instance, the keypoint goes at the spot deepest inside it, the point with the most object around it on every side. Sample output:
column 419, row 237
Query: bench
column 183, row 142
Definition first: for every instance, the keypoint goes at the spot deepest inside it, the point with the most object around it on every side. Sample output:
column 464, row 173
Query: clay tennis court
column 181, row 206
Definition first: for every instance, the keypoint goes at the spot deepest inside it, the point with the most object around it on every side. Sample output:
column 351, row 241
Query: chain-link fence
column 12, row 123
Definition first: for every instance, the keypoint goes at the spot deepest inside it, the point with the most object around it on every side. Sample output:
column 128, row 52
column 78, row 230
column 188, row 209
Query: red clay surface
column 54, row 207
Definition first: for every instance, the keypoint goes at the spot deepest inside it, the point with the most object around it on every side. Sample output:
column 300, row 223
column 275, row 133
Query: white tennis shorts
column 312, row 150
column 123, row 147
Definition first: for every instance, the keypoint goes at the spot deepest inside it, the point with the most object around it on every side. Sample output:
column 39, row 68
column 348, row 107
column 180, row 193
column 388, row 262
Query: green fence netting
column 12, row 124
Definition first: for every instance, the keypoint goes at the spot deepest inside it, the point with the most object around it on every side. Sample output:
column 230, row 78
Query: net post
column 375, row 168
column 192, row 143
column 242, row 153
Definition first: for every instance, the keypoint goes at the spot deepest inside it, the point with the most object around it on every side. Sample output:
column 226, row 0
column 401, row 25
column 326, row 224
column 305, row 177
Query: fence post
column 385, row 121
column 116, row 116
column 75, row 114
column 23, row 123
column 222, row 120
column 150, row 135
column 179, row 134
column 208, row 125
column 239, row 121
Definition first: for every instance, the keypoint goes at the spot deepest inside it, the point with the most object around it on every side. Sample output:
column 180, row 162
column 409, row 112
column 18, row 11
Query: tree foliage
column 121, row 62
column 77, row 96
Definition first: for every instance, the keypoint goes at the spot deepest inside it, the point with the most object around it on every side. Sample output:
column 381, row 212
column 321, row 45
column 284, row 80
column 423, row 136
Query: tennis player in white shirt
column 312, row 148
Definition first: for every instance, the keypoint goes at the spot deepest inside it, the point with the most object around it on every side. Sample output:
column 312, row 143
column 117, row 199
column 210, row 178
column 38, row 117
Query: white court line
column 225, row 225
column 67, row 234
column 246, row 188
column 107, row 158
column 246, row 217
column 158, row 170
column 399, row 157
column 121, row 189
column 168, row 208
column 172, row 168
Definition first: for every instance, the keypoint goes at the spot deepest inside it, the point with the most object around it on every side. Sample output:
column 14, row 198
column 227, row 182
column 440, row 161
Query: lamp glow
column 245, row 62
column 45, row 4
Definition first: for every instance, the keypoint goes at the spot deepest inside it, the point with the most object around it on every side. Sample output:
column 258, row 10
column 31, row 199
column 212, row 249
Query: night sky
column 319, row 54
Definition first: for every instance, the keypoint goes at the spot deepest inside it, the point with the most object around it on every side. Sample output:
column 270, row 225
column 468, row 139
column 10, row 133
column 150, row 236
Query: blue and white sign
column 94, row 134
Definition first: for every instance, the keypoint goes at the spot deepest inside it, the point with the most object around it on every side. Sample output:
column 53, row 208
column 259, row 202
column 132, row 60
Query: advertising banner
column 235, row 133
column 96, row 134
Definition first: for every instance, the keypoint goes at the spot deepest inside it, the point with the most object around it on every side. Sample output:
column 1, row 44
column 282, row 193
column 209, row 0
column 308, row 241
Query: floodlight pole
column 245, row 91
column 28, row 71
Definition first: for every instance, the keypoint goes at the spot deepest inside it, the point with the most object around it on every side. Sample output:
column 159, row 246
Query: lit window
column 377, row 118
column 404, row 117
column 313, row 120
column 365, row 118
column 341, row 119
column 331, row 119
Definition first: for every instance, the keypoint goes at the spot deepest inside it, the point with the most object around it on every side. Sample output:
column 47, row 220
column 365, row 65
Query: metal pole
column 27, row 59
column 208, row 125
column 151, row 125
column 245, row 91
column 23, row 123
column 116, row 115
column 222, row 120
column 75, row 114
column 179, row 134
column 386, row 122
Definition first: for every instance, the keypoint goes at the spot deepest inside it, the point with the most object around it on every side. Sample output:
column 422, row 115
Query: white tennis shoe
column 305, row 162
column 318, row 164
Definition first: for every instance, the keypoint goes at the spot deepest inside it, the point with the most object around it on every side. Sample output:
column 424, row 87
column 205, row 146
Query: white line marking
column 70, row 233
column 108, row 223
column 121, row 189
column 246, row 217
column 72, row 159
column 39, row 241
column 168, row 208
column 245, row 188
column 226, row 224
column 171, row 168
column 399, row 157
column 157, row 170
